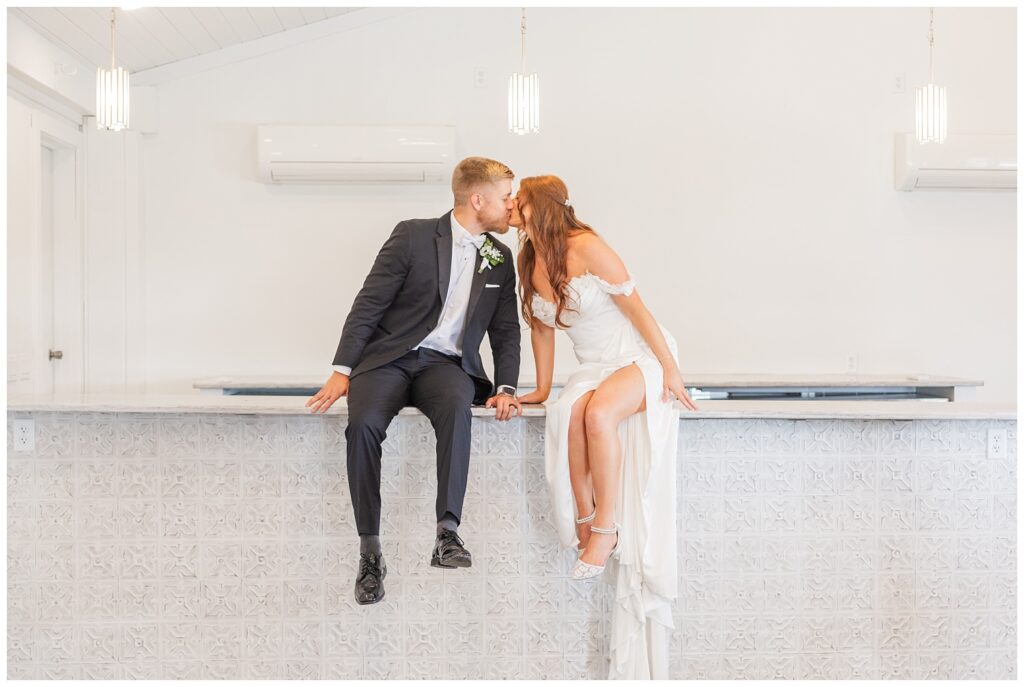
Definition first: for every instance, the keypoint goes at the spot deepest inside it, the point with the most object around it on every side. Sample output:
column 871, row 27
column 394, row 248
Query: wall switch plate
column 24, row 436
column 997, row 443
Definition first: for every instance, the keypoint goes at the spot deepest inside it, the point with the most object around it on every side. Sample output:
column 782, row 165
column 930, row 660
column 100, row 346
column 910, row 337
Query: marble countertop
column 699, row 380
column 296, row 405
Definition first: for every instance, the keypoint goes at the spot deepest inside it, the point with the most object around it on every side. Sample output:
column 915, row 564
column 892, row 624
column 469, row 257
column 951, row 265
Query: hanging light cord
column 931, row 44
column 522, row 26
column 113, row 39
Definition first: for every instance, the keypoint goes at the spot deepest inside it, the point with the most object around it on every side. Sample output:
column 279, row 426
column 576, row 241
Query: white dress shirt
column 447, row 335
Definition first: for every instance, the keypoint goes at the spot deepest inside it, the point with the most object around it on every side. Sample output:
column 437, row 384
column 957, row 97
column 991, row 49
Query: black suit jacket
column 401, row 299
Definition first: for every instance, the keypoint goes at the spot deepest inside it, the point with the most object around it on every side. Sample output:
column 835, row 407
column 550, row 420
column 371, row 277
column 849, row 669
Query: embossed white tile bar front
column 217, row 544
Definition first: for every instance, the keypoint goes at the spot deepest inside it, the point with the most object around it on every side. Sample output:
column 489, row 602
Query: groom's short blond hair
column 474, row 171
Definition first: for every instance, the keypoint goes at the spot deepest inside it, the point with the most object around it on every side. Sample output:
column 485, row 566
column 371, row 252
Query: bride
column 611, row 434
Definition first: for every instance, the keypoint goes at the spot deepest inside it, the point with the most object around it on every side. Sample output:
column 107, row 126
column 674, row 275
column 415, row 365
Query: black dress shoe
column 449, row 552
column 370, row 578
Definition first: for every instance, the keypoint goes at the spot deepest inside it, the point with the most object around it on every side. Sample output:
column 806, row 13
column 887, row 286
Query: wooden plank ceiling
column 153, row 36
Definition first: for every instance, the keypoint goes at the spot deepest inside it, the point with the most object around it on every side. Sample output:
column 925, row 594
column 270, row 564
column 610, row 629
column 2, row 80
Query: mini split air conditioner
column 356, row 154
column 963, row 162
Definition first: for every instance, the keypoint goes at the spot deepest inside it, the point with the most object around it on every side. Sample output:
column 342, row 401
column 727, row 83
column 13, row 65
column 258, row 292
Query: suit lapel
column 479, row 279
column 444, row 255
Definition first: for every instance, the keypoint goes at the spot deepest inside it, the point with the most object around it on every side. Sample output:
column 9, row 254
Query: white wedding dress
column 644, row 570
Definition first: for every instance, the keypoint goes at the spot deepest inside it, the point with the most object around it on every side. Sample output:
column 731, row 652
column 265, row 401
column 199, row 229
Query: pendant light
column 931, row 99
column 523, row 95
column 112, row 88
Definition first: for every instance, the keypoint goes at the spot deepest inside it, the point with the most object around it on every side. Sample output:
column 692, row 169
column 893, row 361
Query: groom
column 413, row 338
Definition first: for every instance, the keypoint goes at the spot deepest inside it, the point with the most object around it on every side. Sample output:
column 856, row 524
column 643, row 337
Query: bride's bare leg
column 579, row 470
column 618, row 397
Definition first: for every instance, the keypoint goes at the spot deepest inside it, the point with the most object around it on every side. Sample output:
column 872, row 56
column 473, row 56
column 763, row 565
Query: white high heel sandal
column 586, row 571
column 584, row 521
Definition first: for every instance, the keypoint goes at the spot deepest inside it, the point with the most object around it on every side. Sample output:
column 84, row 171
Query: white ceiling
column 153, row 36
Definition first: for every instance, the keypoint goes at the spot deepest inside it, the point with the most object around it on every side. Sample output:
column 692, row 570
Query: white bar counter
column 207, row 536
column 296, row 405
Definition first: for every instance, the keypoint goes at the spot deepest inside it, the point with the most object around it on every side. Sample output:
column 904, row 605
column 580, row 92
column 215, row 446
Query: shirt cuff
column 343, row 369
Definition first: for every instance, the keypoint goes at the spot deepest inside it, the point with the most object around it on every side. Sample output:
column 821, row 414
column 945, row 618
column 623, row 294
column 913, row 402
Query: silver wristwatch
column 506, row 389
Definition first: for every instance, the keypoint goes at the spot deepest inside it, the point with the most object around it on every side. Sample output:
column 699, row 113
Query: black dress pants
column 435, row 383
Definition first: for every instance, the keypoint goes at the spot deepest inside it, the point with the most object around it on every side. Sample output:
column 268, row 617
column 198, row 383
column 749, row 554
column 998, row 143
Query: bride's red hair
column 551, row 223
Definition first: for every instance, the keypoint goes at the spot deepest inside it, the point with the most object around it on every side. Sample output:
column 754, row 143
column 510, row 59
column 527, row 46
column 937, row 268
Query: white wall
column 23, row 208
column 115, row 307
column 740, row 161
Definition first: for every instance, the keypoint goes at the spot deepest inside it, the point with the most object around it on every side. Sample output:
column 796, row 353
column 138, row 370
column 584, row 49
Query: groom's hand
column 506, row 406
column 335, row 387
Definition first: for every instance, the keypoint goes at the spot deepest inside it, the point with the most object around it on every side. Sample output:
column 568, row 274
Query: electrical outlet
column 479, row 80
column 899, row 83
column 997, row 443
column 24, row 436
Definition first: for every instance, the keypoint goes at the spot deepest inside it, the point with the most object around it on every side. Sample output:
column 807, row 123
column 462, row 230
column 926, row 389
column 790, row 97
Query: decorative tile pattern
column 145, row 546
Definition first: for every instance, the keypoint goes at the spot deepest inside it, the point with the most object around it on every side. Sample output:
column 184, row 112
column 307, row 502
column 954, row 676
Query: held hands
column 673, row 388
column 334, row 388
column 506, row 406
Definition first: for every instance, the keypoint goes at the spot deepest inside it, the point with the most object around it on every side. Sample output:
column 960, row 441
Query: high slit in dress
column 644, row 570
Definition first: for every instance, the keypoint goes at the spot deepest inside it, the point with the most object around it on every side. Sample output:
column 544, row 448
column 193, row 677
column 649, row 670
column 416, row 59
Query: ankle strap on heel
column 605, row 530
column 583, row 521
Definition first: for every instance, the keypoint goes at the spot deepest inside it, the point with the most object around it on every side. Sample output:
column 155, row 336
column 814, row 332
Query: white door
column 44, row 304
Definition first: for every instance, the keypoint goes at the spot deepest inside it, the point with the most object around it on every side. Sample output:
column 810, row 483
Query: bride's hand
column 533, row 397
column 674, row 386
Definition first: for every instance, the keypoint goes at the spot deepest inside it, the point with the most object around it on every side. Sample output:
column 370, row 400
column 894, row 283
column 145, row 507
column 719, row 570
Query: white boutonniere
column 490, row 255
